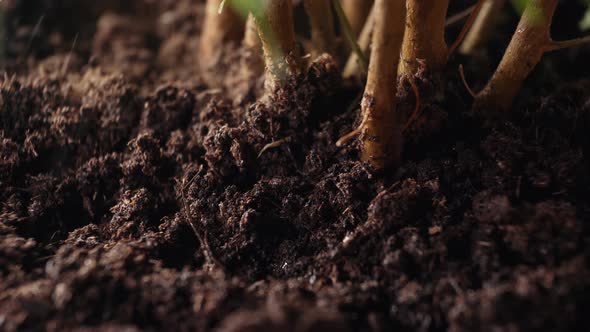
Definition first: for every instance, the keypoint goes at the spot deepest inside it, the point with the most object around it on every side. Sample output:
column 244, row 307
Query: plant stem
column 218, row 29
column 323, row 37
column 348, row 33
column 457, row 17
column 559, row 45
column 424, row 42
column 530, row 41
column 381, row 134
column 356, row 11
column 254, row 61
column 251, row 37
column 466, row 27
column 353, row 67
column 277, row 34
column 482, row 27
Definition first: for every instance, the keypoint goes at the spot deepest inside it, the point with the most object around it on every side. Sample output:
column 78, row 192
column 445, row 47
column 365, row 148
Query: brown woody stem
column 529, row 43
column 424, row 42
column 381, row 135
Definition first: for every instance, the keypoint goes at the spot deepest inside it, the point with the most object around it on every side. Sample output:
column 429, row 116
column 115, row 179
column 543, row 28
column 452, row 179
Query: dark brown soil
column 136, row 194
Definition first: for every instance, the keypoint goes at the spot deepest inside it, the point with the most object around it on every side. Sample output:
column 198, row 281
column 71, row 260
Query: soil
column 138, row 193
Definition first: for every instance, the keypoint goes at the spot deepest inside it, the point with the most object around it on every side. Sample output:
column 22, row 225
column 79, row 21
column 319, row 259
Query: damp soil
column 139, row 193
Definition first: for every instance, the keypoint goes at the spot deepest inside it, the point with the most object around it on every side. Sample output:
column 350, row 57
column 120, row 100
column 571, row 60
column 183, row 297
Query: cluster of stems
column 405, row 38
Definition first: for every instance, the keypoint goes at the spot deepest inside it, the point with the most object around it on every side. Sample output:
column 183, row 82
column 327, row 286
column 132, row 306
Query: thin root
column 467, row 26
column 459, row 16
column 273, row 145
column 418, row 102
column 348, row 136
column 462, row 73
column 353, row 133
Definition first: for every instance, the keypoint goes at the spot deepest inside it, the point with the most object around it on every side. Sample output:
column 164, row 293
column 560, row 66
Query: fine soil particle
column 137, row 194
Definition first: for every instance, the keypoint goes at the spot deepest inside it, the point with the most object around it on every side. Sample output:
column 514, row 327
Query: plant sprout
column 405, row 39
